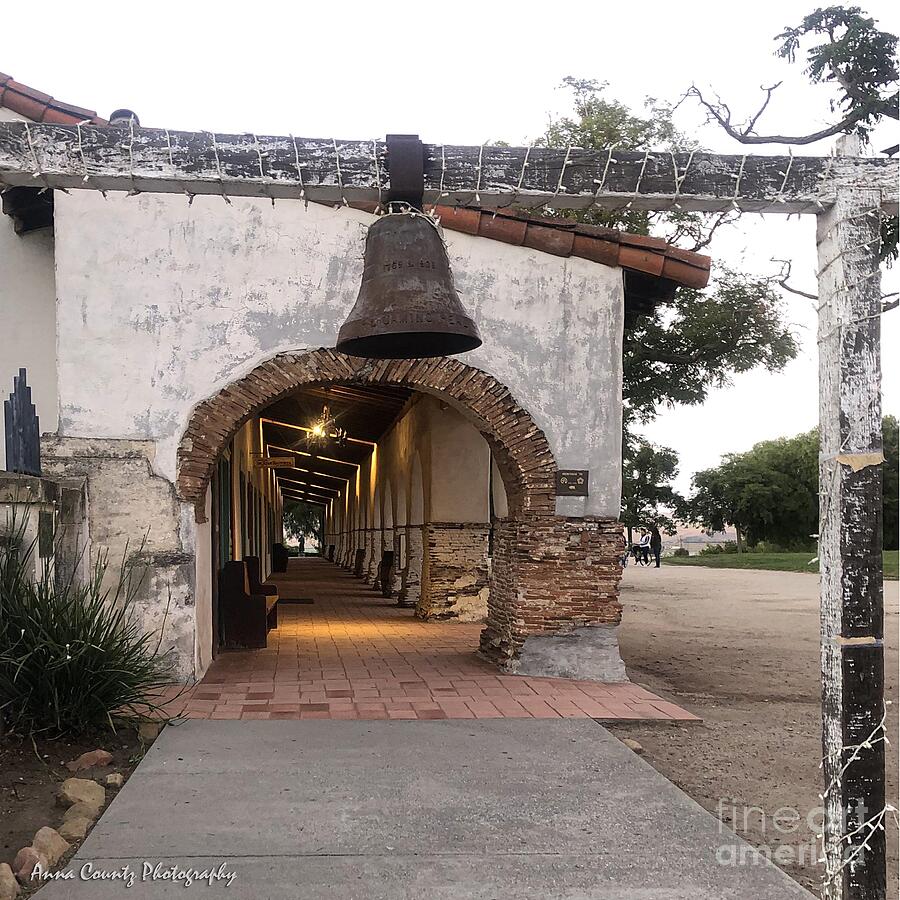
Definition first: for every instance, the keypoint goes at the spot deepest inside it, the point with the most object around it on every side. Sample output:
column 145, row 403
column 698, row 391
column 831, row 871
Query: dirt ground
column 741, row 649
column 31, row 773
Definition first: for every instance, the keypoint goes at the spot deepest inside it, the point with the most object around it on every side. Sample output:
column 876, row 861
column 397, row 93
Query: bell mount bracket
column 406, row 167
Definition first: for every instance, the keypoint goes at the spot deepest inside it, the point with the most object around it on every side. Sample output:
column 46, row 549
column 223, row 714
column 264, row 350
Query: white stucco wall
column 160, row 305
column 28, row 320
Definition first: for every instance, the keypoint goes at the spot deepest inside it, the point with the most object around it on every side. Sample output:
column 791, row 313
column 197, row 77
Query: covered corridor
column 345, row 652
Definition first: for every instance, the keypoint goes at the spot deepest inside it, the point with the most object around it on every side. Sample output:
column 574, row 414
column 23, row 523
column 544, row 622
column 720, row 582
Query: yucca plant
column 72, row 655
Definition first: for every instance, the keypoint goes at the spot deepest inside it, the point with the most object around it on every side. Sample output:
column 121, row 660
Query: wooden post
column 850, row 543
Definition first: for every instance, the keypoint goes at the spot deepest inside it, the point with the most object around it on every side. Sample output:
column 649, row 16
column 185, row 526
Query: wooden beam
column 850, row 545
column 310, row 484
column 306, row 496
column 247, row 165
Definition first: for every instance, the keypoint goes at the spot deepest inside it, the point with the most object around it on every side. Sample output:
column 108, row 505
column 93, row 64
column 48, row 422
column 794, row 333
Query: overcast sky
column 467, row 72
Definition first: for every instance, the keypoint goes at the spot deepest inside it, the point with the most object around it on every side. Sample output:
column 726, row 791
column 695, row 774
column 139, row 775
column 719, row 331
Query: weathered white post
column 850, row 541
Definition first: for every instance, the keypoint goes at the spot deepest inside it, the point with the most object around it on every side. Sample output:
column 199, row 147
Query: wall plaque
column 572, row 483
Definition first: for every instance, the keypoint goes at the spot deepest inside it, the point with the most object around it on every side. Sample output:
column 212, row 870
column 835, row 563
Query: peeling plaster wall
column 133, row 514
column 161, row 305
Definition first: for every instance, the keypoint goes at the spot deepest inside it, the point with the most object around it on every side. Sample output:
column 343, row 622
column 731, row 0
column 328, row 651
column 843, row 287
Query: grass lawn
column 779, row 562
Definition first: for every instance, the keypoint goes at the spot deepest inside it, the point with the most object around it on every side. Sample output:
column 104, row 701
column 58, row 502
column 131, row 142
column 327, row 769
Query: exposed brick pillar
column 554, row 605
column 457, row 573
column 411, row 576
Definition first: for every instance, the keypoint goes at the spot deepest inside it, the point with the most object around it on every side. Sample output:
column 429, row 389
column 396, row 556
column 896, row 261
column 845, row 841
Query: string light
column 602, row 181
column 134, row 190
column 215, row 148
column 637, row 188
column 779, row 197
column 679, row 180
column 478, row 180
column 340, row 177
column 560, row 189
column 87, row 178
column 38, row 171
column 377, row 176
column 262, row 170
column 813, row 204
column 443, row 172
column 299, row 166
column 189, row 194
column 440, row 191
column 737, row 184
column 521, row 180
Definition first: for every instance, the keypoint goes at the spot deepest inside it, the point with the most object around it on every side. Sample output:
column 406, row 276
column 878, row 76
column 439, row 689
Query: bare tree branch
column 729, row 217
column 720, row 113
column 754, row 119
column 782, row 278
column 785, row 273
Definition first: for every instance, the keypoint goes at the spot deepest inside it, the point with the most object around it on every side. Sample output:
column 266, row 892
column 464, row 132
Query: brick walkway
column 353, row 655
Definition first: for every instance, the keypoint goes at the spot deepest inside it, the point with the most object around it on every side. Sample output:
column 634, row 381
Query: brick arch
column 523, row 455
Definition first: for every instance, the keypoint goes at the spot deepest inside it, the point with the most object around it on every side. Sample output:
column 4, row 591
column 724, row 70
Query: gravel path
column 741, row 650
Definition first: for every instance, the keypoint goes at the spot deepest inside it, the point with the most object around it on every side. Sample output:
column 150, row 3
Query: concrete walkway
column 394, row 810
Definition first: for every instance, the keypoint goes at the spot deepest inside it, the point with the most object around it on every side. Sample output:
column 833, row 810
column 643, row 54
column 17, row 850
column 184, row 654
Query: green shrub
column 725, row 547
column 798, row 546
column 72, row 655
column 681, row 551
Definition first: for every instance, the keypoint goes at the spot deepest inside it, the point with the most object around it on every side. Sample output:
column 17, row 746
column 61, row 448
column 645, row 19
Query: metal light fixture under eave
column 407, row 307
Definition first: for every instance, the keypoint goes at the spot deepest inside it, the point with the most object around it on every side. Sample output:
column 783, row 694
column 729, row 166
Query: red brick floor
column 354, row 655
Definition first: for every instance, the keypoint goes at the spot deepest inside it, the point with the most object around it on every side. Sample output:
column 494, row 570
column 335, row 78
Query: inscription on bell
column 572, row 483
column 396, row 264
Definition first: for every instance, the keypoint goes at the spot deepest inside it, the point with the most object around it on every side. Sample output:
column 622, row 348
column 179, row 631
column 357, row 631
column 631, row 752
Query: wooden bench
column 258, row 586
column 247, row 616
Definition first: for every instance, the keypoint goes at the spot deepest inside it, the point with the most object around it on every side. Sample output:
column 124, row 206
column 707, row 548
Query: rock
column 9, row 887
column 82, row 811
column 81, row 790
column 26, row 859
column 90, row 760
column 149, row 731
column 73, row 829
column 115, row 779
column 49, row 842
column 632, row 744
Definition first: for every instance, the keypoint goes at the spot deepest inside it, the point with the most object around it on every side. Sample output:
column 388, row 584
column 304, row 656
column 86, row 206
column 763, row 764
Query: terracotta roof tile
column 40, row 107
column 562, row 237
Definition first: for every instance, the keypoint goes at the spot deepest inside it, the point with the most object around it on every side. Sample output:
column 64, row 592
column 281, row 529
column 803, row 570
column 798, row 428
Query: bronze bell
column 407, row 306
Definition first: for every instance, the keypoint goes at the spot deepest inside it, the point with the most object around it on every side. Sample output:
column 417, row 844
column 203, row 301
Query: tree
column 701, row 338
column 770, row 493
column 646, row 485
column 303, row 520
